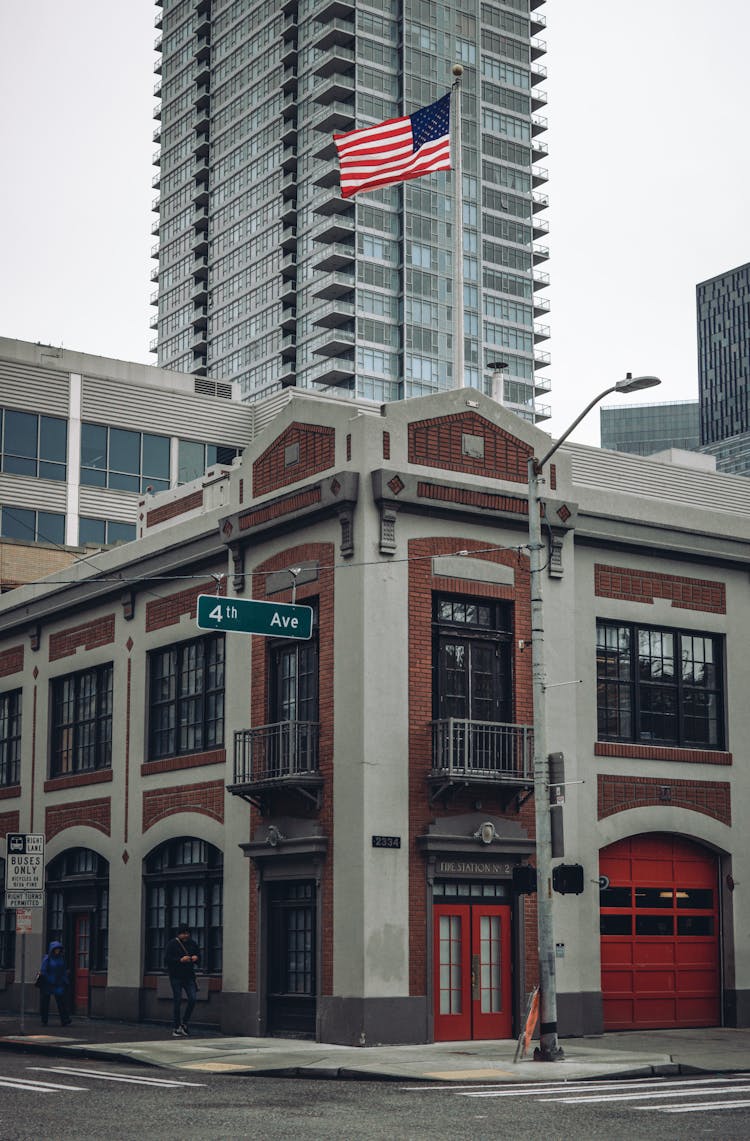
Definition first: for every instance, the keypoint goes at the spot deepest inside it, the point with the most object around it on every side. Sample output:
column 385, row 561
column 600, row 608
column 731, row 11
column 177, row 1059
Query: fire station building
column 339, row 817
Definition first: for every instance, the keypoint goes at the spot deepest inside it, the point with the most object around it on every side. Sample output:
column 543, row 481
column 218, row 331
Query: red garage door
column 659, row 934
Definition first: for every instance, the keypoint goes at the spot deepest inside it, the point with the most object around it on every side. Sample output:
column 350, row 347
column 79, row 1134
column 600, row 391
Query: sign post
column 24, row 890
column 249, row 616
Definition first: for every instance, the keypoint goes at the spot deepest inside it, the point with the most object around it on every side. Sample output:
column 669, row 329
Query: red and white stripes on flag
column 395, row 150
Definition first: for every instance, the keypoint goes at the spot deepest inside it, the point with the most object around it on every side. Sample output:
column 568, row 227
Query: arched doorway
column 78, row 915
column 659, row 923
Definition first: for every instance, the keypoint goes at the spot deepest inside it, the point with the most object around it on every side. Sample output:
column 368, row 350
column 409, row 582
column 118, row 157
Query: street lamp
column 549, row 1050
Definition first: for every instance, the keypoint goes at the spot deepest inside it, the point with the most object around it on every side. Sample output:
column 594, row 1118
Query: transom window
column 10, row 737
column 33, row 445
column 184, row 885
column 186, row 698
column 82, row 721
column 660, row 685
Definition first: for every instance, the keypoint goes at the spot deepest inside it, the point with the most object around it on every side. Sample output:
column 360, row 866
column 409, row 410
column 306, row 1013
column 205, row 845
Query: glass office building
column 723, row 311
column 647, row 428
column 268, row 277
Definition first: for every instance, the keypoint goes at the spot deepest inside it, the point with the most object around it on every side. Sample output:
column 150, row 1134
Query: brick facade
column 618, row 794
column 643, row 752
column 168, row 611
column 422, row 586
column 439, row 443
column 10, row 822
column 91, row 813
column 177, row 507
column 300, row 452
column 204, row 797
column 11, row 660
column 89, row 635
column 644, row 586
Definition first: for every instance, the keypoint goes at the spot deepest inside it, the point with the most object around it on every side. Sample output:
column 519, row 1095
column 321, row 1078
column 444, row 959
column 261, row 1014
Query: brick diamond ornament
column 563, row 513
column 396, row 485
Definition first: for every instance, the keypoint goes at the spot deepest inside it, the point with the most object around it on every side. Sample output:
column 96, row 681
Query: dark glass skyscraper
column 267, row 276
column 723, row 305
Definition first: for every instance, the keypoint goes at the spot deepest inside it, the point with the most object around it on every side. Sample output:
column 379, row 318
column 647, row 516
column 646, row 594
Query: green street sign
column 248, row 616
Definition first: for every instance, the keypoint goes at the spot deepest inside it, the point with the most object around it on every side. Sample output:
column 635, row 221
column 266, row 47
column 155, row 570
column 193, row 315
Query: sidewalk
column 633, row 1054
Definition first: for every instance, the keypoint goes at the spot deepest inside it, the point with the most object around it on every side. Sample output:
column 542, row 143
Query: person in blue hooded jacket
column 54, row 978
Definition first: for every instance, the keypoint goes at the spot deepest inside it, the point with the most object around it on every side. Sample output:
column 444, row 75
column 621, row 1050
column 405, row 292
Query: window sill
column 184, row 761
column 76, row 780
column 10, row 791
column 643, row 752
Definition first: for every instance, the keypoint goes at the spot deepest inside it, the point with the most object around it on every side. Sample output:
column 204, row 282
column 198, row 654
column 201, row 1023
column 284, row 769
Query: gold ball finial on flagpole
column 457, row 70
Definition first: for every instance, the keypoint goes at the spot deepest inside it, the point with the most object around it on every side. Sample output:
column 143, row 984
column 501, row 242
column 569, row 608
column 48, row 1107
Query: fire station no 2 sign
column 249, row 616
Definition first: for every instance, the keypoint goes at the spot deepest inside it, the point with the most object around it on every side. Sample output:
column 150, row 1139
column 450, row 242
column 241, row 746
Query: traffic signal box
column 567, row 879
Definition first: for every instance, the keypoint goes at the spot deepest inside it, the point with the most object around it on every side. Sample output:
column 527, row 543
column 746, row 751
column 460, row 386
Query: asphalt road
column 65, row 1099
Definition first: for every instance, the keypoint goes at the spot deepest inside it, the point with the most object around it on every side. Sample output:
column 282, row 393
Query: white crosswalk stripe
column 110, row 1076
column 75, row 1075
column 654, row 1095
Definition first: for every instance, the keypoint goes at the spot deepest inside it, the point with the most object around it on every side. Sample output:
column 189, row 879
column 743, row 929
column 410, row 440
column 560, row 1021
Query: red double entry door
column 472, row 971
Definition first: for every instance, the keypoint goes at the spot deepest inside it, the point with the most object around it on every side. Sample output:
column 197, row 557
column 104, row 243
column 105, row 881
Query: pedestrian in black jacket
column 182, row 956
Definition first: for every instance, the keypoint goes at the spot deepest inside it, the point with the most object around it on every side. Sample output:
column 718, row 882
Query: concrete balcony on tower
column 335, row 257
column 335, row 285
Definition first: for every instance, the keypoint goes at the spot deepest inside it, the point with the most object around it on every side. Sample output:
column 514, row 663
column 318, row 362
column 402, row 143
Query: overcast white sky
column 649, row 173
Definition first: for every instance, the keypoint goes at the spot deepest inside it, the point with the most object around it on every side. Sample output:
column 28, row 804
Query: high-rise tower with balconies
column 267, row 276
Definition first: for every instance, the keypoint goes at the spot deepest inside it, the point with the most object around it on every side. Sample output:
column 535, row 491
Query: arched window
column 7, row 928
column 184, row 880
column 77, row 883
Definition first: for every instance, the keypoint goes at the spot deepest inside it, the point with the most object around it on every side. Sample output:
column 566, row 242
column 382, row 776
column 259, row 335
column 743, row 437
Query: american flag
column 395, row 150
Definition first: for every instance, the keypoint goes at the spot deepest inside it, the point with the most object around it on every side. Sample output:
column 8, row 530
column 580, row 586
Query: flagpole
column 458, row 232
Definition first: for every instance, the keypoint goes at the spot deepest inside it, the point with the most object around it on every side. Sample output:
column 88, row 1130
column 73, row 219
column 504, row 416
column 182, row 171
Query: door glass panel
column 82, row 942
column 616, row 924
column 490, row 992
column 695, row 897
column 654, row 897
column 615, row 897
column 654, row 925
column 450, row 964
column 695, row 925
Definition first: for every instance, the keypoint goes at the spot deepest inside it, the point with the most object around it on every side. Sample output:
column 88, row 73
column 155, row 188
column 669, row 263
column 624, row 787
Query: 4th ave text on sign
column 249, row 616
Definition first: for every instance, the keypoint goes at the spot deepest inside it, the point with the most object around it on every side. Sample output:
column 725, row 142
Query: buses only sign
column 24, row 870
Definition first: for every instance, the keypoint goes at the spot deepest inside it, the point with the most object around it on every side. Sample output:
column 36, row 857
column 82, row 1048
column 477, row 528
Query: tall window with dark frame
column 472, row 685
column 186, row 697
column 293, row 705
column 184, row 884
column 10, row 737
column 659, row 685
column 82, row 721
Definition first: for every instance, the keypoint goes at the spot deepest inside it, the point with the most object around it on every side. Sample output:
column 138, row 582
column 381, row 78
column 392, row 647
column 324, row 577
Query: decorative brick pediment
column 300, row 452
column 467, row 442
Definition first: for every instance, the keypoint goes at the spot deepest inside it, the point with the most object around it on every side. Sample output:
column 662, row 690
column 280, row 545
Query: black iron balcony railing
column 482, row 750
column 279, row 752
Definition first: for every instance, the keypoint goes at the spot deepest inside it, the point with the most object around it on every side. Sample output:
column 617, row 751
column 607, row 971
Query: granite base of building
column 372, row 1021
column 579, row 1014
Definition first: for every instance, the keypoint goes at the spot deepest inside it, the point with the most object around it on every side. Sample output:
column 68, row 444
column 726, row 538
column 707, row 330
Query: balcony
column 538, row 48
column 289, row 239
column 539, row 201
column 336, row 229
column 334, row 343
column 337, row 88
column 540, row 253
column 336, row 116
column 277, row 757
column 333, row 373
column 541, row 333
column 538, row 22
column 538, row 99
column 335, row 285
column 539, row 175
column 335, row 257
column 333, row 315
column 481, row 753
column 339, row 33
column 539, row 227
column 538, row 124
column 541, row 280
column 337, row 59
column 327, row 10
column 541, row 305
